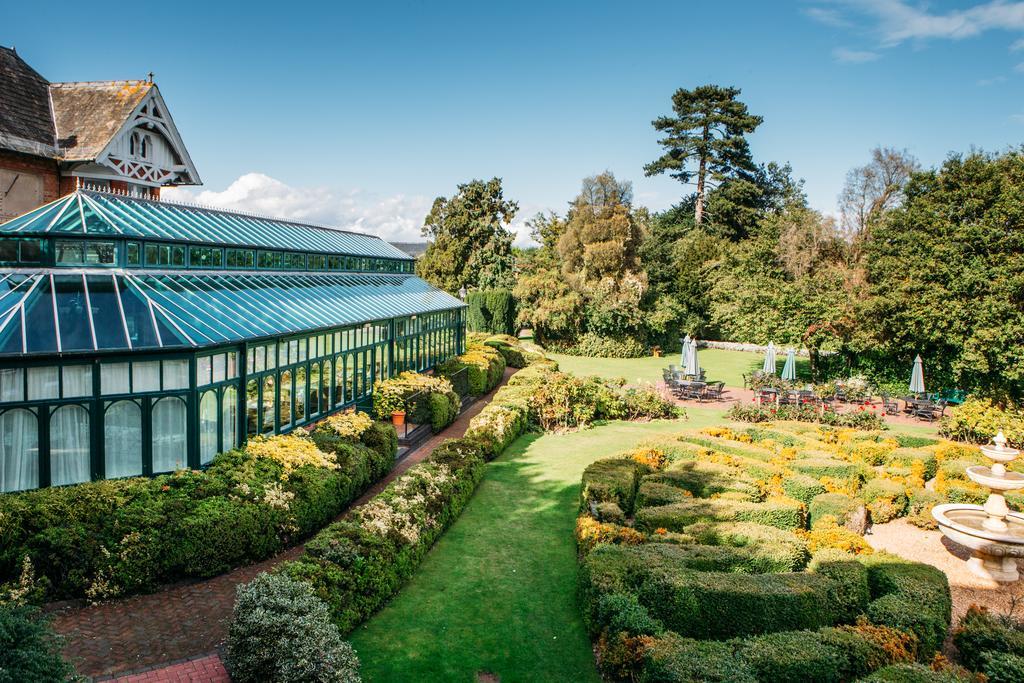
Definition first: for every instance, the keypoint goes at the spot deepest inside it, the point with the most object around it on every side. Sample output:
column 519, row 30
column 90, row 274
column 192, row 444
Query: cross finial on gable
column 150, row 76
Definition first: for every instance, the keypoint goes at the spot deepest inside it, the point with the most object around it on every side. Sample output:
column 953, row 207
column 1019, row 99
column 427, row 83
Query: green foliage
column 849, row 592
column 911, row 597
column 280, row 632
column 596, row 346
column 802, row 487
column 687, row 660
column 30, row 652
column 981, row 632
column 611, row 480
column 492, row 311
column 1003, row 667
column 484, row 364
column 470, row 245
column 838, row 505
column 978, row 420
column 425, row 399
column 781, row 514
column 117, row 537
column 858, row 419
column 917, row 673
column 944, row 272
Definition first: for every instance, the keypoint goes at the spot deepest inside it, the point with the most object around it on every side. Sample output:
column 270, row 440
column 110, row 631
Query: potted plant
column 398, row 417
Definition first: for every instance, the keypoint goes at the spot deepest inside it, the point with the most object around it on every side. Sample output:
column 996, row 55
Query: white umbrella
column 686, row 348
column 789, row 369
column 769, row 360
column 690, row 367
column 917, row 377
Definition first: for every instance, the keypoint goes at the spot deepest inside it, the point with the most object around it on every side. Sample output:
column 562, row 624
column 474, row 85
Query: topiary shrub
column 909, row 596
column 918, row 673
column 30, row 651
column 839, row 505
column 849, row 593
column 281, row 632
column 981, row 632
column 611, row 480
column 672, row 657
column 802, row 487
column 782, row 513
column 492, row 311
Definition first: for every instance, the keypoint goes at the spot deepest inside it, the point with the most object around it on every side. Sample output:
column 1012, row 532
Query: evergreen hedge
column 492, row 311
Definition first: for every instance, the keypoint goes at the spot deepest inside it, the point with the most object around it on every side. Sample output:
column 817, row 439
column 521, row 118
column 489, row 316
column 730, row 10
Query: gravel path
column 906, row 540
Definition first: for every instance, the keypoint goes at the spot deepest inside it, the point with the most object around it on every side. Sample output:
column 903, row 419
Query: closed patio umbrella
column 769, row 360
column 789, row 370
column 690, row 367
column 686, row 346
column 917, row 377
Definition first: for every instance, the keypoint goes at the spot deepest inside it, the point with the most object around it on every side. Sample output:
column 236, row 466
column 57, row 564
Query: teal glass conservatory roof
column 87, row 213
column 86, row 310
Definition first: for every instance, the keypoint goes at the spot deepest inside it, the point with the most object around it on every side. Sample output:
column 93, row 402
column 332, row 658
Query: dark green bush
column 849, row 593
column 981, row 632
column 803, row 487
column 677, row 516
column 909, row 596
column 908, row 441
column 769, row 549
column 492, row 311
column 685, row 660
column 1003, row 667
column 703, row 604
column 838, row 505
column 611, row 479
column 113, row 538
column 622, row 612
column 917, row 673
column 827, row 467
column 704, row 479
column 29, row 649
column 793, row 657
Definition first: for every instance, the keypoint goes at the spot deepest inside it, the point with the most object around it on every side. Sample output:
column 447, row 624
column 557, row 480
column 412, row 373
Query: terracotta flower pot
column 398, row 418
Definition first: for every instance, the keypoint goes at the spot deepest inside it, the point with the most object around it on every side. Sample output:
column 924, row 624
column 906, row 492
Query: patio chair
column 890, row 405
column 840, row 395
column 931, row 411
column 694, row 391
column 713, row 392
column 766, row 396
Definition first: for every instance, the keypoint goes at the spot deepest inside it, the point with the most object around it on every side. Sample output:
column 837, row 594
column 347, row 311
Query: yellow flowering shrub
column 350, row 425
column 653, row 458
column 590, row 532
column 828, row 534
column 291, row 451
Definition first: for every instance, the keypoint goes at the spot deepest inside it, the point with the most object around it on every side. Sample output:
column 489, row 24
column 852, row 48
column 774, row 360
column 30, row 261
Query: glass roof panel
column 158, row 309
column 87, row 211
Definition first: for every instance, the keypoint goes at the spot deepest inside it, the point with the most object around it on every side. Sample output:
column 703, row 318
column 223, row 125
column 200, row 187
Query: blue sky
column 360, row 114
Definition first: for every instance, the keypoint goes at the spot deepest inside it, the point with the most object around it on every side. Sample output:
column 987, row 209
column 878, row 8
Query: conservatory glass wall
column 111, row 367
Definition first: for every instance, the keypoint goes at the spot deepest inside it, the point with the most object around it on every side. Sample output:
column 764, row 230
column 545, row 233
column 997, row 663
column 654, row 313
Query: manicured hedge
column 117, row 537
column 611, row 479
column 909, row 596
column 425, row 399
column 803, row 487
column 781, row 513
column 491, row 310
column 484, row 364
column 704, row 479
column 981, row 633
column 832, row 468
column 838, row 505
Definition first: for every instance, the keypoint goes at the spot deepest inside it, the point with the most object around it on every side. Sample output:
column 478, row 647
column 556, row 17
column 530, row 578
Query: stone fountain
column 995, row 534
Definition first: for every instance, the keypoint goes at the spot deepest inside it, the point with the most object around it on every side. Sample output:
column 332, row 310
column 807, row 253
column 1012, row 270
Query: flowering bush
column 484, row 364
column 977, row 420
column 349, row 425
column 291, row 452
column 425, row 399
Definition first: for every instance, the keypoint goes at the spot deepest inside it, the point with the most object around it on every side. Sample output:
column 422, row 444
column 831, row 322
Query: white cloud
column 1017, row 45
column 896, row 21
column 827, row 15
column 995, row 80
column 1017, row 118
column 396, row 218
column 848, row 56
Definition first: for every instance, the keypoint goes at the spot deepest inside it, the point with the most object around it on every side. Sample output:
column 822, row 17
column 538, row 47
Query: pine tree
column 708, row 130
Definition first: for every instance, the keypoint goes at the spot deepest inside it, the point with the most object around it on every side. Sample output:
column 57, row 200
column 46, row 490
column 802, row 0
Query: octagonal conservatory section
column 139, row 336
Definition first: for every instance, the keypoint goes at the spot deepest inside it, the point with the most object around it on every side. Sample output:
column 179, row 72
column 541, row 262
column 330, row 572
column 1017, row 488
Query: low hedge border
column 117, row 537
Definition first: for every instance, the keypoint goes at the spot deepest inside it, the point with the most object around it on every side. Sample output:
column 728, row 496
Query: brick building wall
column 47, row 168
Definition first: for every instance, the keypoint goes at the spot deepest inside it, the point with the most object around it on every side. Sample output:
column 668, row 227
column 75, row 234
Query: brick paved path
column 208, row 669
column 187, row 620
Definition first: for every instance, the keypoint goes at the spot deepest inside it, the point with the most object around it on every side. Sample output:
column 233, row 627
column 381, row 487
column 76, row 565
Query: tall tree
column 874, row 189
column 470, row 245
column 708, row 131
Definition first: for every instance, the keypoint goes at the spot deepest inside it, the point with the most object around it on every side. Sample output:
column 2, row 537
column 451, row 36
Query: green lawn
column 497, row 591
column 721, row 366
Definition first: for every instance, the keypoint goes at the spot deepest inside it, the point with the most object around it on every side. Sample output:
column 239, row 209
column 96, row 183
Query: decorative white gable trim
column 150, row 117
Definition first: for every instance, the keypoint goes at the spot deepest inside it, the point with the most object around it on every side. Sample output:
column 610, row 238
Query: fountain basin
column 990, row 478
column 995, row 552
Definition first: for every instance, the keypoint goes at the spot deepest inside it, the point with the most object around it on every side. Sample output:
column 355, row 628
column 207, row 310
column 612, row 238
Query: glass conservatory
column 140, row 336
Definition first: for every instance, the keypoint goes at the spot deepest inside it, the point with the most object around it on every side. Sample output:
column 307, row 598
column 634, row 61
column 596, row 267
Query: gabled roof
column 86, row 212
column 89, row 115
column 25, row 121
column 68, row 311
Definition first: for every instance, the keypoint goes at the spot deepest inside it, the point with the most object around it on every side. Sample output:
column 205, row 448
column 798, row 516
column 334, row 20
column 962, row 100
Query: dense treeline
column 925, row 261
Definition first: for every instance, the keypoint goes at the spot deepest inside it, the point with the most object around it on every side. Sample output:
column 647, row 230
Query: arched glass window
column 325, row 393
column 300, row 394
column 19, row 450
column 147, row 145
column 252, row 408
column 314, row 388
column 169, row 426
column 229, row 418
column 339, row 380
column 284, row 402
column 268, row 404
column 69, row 445
column 122, row 440
column 207, row 426
column 133, row 143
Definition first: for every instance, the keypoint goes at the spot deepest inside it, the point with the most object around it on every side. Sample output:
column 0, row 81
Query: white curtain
column 114, row 378
column 19, row 450
column 207, row 427
column 77, row 380
column 122, row 440
column 43, row 383
column 229, row 418
column 146, row 376
column 169, row 426
column 12, row 386
column 69, row 445
column 175, row 374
